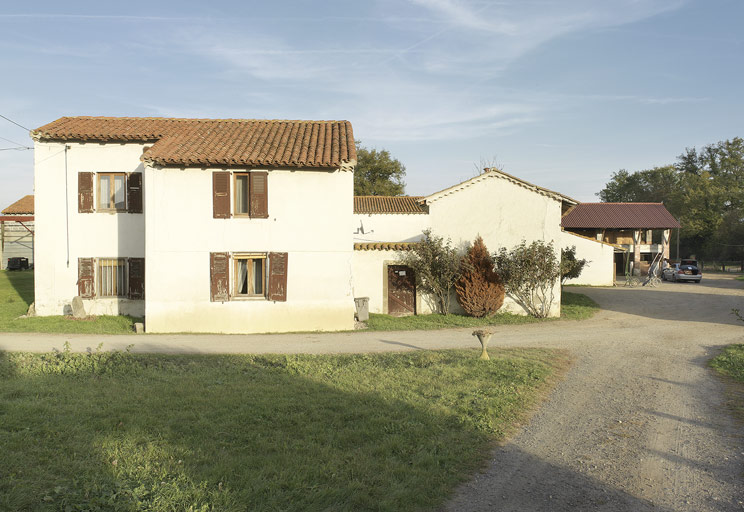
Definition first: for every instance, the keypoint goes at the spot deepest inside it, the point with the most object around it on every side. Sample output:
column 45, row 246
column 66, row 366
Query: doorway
column 401, row 291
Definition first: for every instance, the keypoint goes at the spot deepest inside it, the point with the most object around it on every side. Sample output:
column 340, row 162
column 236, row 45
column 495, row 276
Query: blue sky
column 560, row 93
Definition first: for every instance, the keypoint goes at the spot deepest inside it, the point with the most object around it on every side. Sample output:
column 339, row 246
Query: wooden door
column 401, row 291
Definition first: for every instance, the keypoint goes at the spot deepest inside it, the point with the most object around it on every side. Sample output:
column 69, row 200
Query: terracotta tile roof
column 388, row 204
column 619, row 215
column 24, row 205
column 216, row 142
column 384, row 246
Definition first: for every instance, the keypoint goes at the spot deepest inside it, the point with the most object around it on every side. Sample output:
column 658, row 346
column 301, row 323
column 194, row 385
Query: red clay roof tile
column 388, row 204
column 23, row 205
column 619, row 216
column 216, row 142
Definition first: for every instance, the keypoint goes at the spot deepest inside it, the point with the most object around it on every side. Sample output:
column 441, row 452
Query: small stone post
column 483, row 336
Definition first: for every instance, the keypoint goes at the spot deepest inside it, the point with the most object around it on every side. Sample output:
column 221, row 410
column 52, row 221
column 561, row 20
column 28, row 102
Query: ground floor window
column 250, row 275
column 112, row 277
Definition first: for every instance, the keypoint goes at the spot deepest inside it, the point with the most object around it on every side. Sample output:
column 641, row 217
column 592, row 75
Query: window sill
column 248, row 298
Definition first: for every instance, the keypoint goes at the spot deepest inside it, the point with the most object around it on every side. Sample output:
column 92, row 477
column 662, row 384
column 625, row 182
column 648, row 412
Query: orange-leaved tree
column 479, row 289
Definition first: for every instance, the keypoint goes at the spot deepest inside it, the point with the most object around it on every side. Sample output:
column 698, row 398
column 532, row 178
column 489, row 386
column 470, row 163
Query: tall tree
column 377, row 173
column 704, row 189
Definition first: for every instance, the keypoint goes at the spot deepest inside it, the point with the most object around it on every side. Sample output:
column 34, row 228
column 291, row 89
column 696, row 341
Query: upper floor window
column 112, row 191
column 245, row 195
column 109, row 192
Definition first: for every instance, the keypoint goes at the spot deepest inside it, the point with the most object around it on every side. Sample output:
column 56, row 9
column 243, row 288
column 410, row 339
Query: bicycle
column 631, row 280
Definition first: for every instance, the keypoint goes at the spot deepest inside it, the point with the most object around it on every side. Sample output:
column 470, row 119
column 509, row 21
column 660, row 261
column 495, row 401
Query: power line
column 22, row 148
column 13, row 142
column 10, row 120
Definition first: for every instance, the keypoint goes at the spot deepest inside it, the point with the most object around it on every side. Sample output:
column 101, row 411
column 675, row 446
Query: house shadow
column 257, row 434
column 22, row 282
column 709, row 301
column 518, row 481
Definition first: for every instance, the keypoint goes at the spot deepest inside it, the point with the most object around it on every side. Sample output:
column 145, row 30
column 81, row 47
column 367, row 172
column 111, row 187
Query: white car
column 677, row 272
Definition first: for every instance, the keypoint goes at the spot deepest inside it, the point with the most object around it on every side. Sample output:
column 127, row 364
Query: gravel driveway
column 639, row 423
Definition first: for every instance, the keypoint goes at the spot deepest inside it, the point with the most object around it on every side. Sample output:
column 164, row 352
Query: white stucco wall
column 310, row 218
column 369, row 270
column 503, row 213
column 90, row 234
column 387, row 227
column 600, row 267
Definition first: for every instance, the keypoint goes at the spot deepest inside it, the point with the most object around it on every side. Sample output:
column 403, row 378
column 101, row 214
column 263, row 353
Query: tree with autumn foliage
column 479, row 289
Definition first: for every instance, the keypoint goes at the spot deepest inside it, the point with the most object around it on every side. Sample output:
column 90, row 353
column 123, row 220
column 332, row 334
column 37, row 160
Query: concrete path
column 639, row 423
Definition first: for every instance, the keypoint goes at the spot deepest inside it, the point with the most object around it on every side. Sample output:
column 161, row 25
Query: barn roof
column 619, row 216
column 216, row 142
column 388, row 204
column 25, row 205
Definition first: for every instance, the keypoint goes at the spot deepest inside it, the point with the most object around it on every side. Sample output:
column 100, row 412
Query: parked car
column 682, row 272
column 17, row 263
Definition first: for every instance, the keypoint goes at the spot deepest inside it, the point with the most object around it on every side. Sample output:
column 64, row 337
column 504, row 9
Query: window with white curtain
column 112, row 191
column 250, row 275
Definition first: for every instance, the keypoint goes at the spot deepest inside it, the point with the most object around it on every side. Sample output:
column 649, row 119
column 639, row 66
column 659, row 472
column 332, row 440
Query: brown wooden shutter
column 259, row 187
column 85, row 192
column 86, row 278
column 221, row 195
column 137, row 278
column 278, row 276
column 219, row 276
column 134, row 192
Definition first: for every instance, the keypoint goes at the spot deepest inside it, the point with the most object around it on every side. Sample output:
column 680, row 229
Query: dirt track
column 639, row 423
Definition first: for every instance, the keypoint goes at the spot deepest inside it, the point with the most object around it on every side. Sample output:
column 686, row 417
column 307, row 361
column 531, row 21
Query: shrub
column 571, row 268
column 436, row 266
column 479, row 288
column 529, row 273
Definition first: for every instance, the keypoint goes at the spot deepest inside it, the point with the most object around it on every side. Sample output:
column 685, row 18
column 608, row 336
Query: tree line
column 703, row 189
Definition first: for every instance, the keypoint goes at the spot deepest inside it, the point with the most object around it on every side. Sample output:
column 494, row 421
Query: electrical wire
column 13, row 142
column 22, row 148
column 11, row 121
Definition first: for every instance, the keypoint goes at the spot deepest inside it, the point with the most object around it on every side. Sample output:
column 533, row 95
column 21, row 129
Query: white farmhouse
column 199, row 225
column 502, row 209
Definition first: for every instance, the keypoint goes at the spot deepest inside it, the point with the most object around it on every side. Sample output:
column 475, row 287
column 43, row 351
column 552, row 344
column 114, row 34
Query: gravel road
column 639, row 423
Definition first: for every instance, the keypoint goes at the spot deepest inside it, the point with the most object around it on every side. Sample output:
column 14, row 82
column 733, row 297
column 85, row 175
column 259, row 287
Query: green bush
column 529, row 273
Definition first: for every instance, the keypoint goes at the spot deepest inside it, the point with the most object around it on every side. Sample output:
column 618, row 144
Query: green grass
column 17, row 293
column 577, row 306
column 730, row 363
column 574, row 306
column 113, row 431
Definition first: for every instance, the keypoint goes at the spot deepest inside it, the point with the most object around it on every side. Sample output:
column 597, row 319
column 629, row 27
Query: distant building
column 17, row 231
column 642, row 229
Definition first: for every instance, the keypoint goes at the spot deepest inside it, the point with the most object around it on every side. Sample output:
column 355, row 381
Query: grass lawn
column 116, row 431
column 574, row 306
column 730, row 363
column 17, row 294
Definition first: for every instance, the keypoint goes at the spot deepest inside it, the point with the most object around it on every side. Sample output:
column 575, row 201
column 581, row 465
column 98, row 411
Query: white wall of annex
column 369, row 269
column 309, row 218
column 503, row 213
column 600, row 267
column 59, row 226
column 385, row 227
